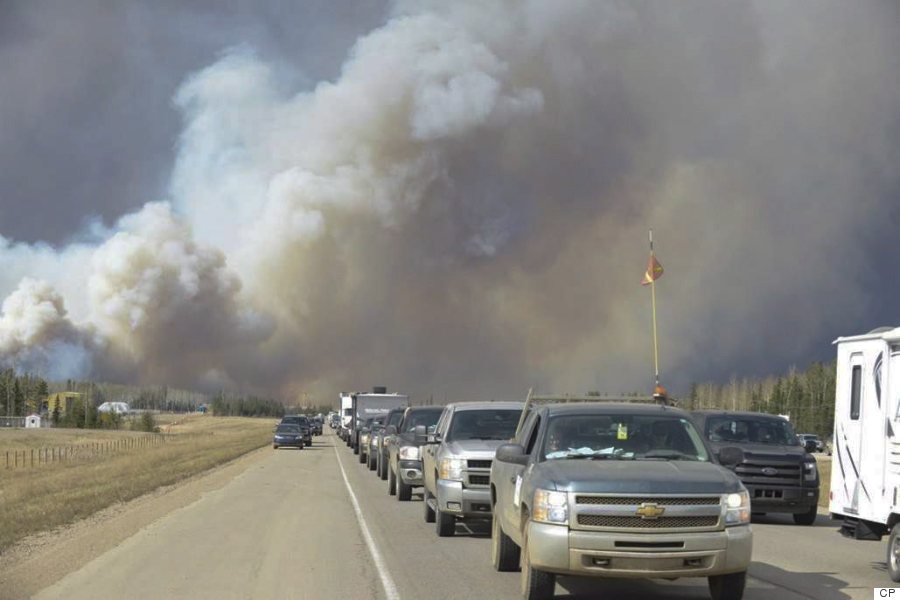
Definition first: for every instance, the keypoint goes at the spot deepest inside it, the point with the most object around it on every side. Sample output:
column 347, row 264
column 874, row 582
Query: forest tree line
column 806, row 397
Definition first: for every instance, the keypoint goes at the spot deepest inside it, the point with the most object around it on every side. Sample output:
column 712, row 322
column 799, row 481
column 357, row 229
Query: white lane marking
column 387, row 582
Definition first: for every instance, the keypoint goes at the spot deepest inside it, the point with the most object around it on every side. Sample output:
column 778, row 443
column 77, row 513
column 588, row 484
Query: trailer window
column 856, row 383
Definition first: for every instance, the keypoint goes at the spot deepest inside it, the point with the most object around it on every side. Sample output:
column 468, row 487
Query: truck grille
column 636, row 501
column 767, row 472
column 614, row 522
column 479, row 464
column 479, row 479
column 636, row 512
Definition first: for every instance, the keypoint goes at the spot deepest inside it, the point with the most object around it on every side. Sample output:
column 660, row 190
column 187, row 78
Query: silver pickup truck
column 457, row 461
column 617, row 490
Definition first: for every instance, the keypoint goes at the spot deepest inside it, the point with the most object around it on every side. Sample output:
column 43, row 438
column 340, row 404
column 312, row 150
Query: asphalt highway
column 315, row 524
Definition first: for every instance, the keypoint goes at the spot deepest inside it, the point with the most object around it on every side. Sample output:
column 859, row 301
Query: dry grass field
column 50, row 495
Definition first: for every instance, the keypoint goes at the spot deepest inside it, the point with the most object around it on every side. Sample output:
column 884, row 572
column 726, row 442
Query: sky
column 450, row 199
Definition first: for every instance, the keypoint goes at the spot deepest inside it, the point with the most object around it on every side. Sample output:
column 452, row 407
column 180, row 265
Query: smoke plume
column 463, row 210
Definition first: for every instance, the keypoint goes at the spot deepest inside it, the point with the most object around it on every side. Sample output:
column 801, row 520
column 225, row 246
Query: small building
column 61, row 401
column 120, row 408
column 33, row 421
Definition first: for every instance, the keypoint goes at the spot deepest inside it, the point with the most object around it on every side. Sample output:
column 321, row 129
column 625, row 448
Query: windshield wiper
column 667, row 455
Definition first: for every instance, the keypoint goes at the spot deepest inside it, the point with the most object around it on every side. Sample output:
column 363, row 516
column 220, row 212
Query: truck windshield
column 421, row 417
column 623, row 437
column 488, row 424
column 750, row 430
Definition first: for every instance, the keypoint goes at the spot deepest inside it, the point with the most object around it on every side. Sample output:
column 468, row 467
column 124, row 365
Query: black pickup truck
column 779, row 473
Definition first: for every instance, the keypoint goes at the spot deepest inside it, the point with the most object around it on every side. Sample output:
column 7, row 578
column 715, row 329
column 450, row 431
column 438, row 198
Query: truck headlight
column 451, row 468
column 809, row 472
column 364, row 439
column 550, row 507
column 409, row 453
column 737, row 508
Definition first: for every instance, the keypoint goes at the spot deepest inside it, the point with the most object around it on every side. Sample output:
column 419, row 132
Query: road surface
column 287, row 527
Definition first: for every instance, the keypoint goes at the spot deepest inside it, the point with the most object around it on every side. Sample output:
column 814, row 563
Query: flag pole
column 653, row 308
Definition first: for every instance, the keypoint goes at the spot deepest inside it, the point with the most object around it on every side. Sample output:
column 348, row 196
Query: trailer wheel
column 893, row 553
column 807, row 518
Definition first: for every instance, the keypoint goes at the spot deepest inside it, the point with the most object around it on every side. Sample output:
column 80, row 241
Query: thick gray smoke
column 463, row 211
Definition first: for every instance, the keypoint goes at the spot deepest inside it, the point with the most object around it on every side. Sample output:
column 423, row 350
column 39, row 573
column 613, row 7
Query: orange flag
column 654, row 271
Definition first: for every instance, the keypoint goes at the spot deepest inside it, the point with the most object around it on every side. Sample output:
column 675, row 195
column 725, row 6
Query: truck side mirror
column 512, row 453
column 434, row 438
column 730, row 456
column 420, row 434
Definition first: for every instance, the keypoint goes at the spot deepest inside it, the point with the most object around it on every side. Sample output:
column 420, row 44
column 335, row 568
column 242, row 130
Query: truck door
column 510, row 480
column 429, row 451
column 849, row 443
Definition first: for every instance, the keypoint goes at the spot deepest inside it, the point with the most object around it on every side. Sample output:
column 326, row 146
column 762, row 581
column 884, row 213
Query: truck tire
column 504, row 552
column 893, row 553
column 356, row 449
column 392, row 482
column 404, row 492
column 727, row 587
column 807, row 518
column 275, row 446
column 371, row 462
column 382, row 467
column 429, row 512
column 444, row 524
column 536, row 584
column 362, row 458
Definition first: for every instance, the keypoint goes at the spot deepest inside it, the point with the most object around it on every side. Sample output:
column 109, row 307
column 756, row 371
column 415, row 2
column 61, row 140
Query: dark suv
column 302, row 422
column 779, row 473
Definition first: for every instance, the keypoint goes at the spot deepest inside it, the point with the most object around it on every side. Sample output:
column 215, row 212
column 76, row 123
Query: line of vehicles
column 297, row 431
column 627, row 488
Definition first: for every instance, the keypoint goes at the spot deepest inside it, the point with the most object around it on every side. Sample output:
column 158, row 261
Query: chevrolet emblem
column 649, row 511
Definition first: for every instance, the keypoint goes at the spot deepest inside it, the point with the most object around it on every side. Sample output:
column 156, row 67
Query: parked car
column 811, row 442
column 617, row 490
column 457, row 461
column 302, row 422
column 779, row 473
column 404, row 450
column 287, row 435
column 315, row 424
column 380, row 444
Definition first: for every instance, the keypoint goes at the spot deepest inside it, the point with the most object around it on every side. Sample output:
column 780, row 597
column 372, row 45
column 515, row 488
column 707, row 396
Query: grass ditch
column 35, row 500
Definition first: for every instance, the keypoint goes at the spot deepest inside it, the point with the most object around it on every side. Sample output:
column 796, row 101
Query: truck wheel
column 275, row 446
column 371, row 463
column 392, row 482
column 504, row 551
column 893, row 553
column 536, row 584
column 445, row 524
column 362, row 458
column 382, row 468
column 404, row 492
column 429, row 512
column 807, row 518
column 727, row 587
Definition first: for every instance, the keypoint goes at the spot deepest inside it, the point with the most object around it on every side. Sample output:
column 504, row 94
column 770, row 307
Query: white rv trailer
column 346, row 414
column 865, row 471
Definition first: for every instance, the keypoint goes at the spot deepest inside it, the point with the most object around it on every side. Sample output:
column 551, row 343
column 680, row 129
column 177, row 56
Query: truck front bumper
column 460, row 501
column 556, row 549
column 781, row 499
column 410, row 472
